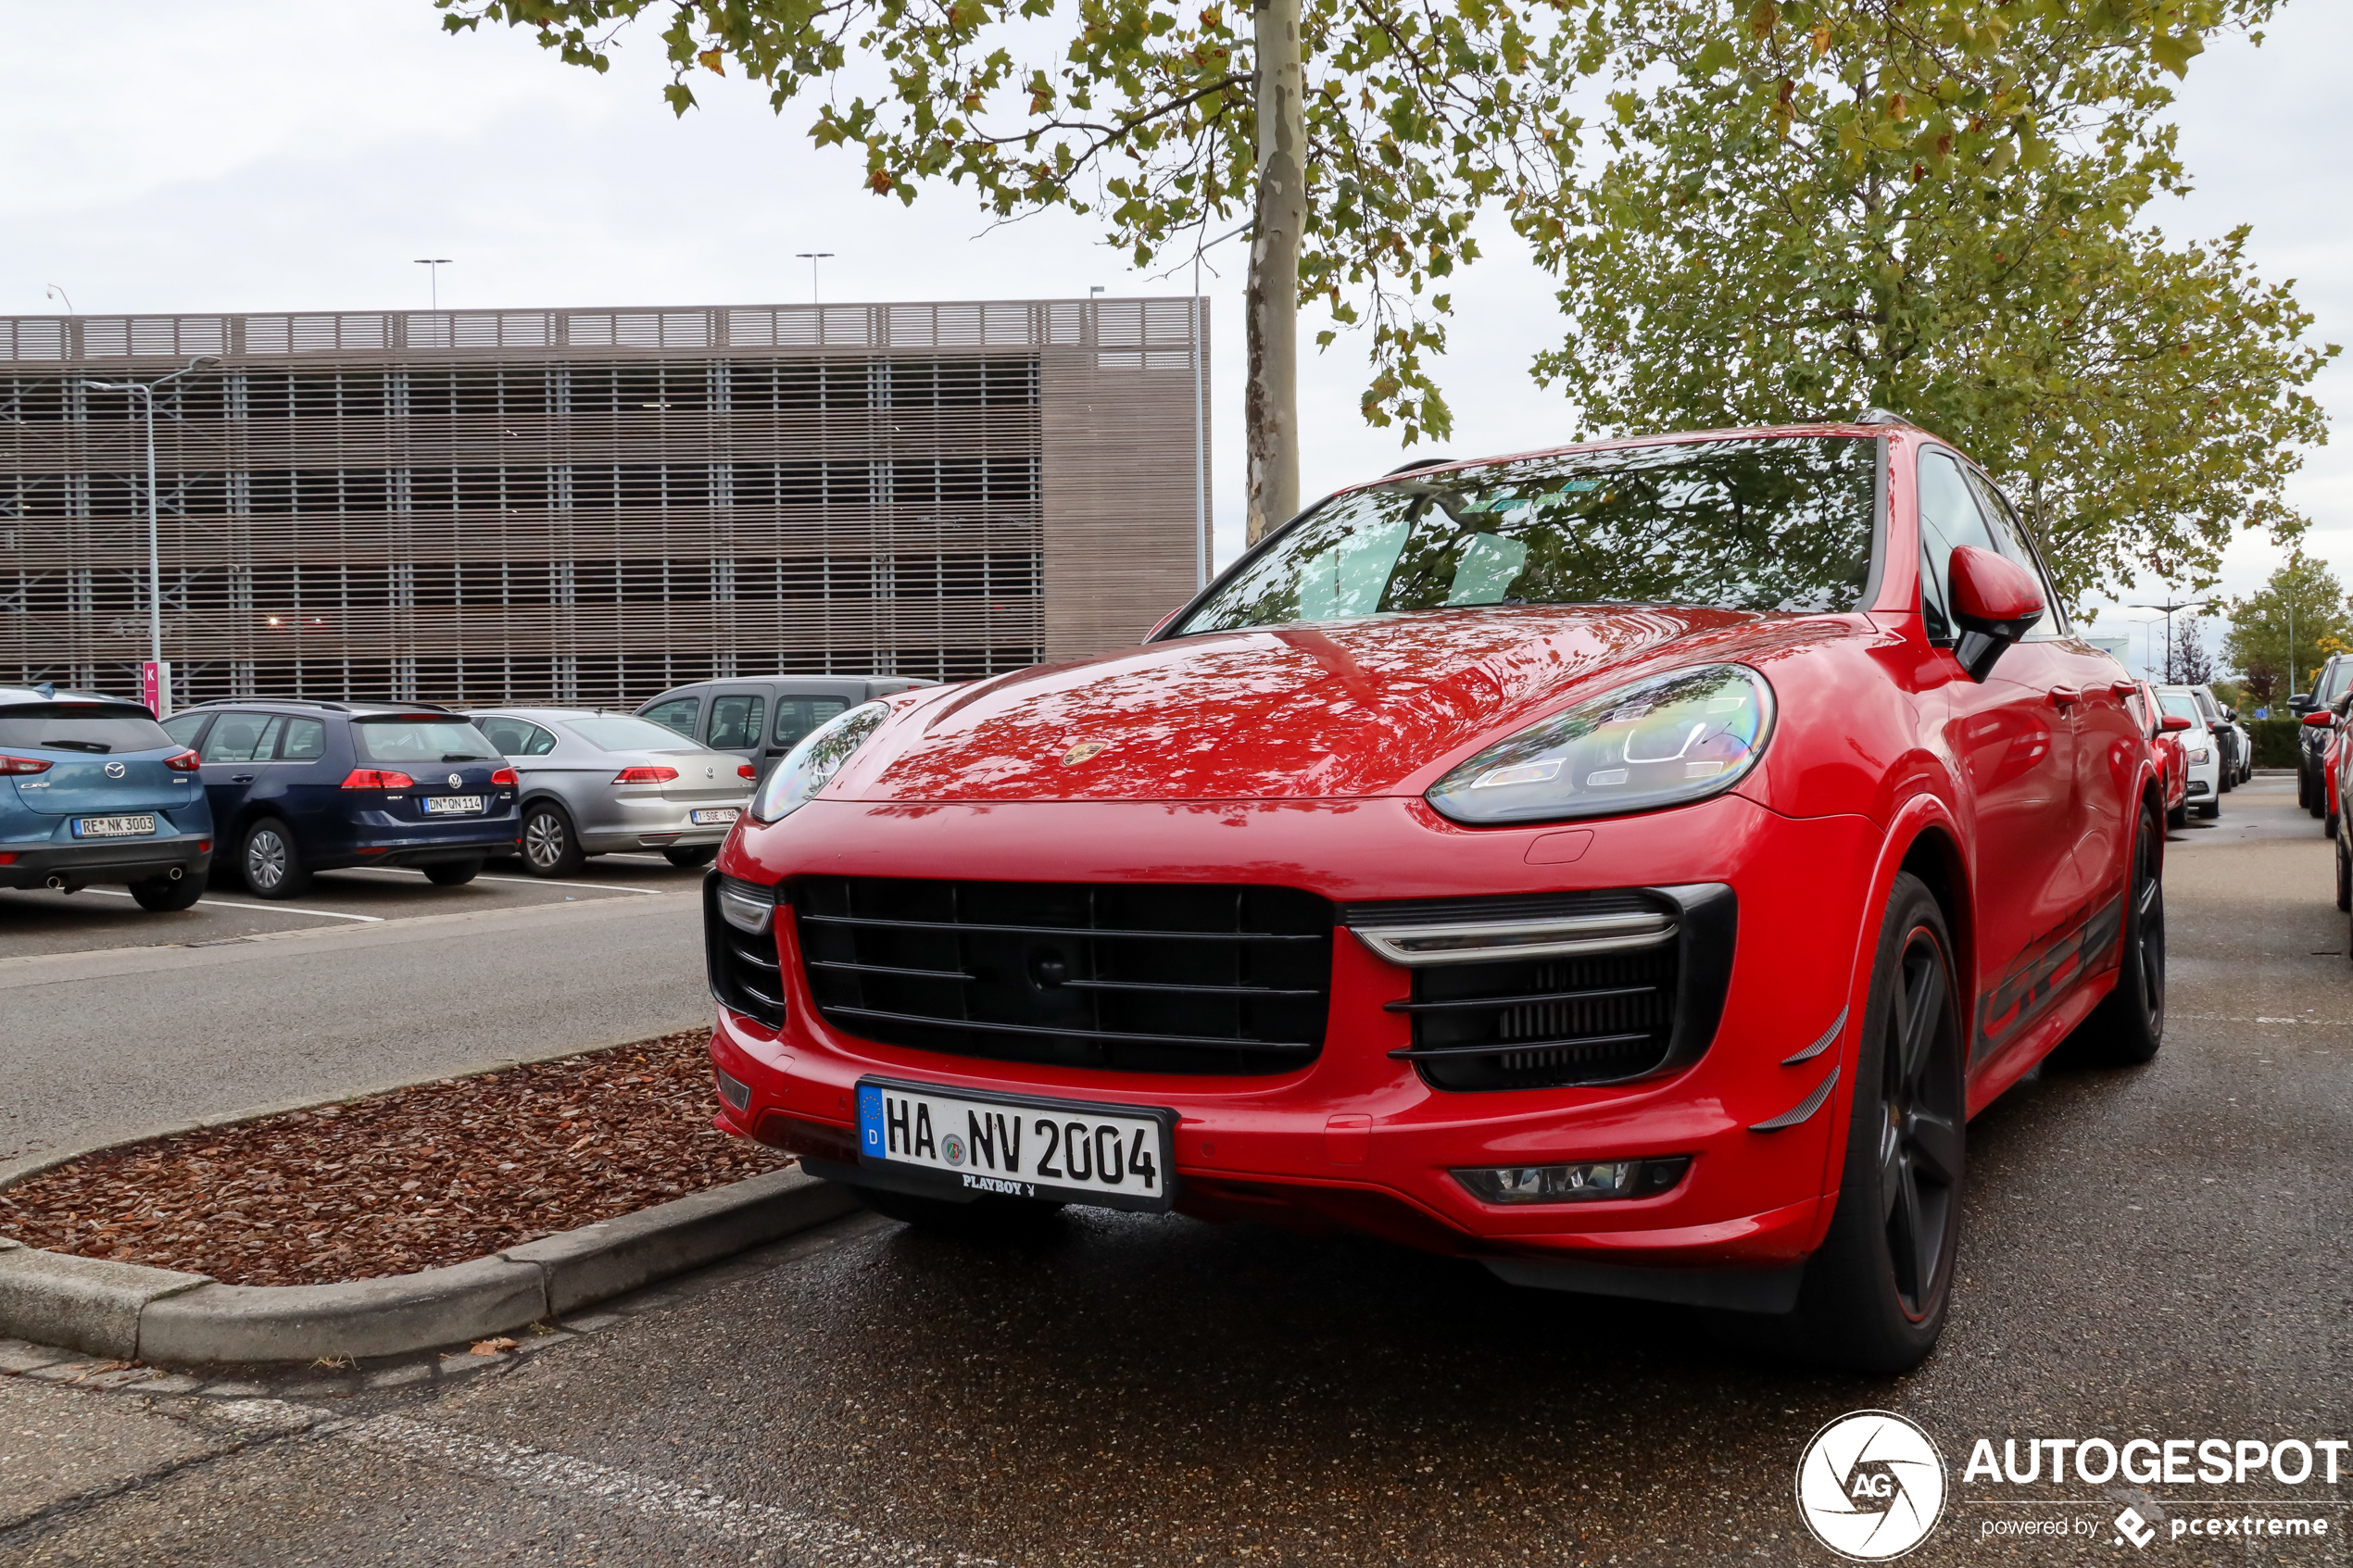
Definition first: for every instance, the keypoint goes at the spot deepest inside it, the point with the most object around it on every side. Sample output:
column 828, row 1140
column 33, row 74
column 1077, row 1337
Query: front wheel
column 2128, row 1026
column 271, row 864
column 2344, row 875
column 549, row 846
column 453, row 874
column 2179, row 816
column 162, row 894
column 693, row 855
column 1876, row 1294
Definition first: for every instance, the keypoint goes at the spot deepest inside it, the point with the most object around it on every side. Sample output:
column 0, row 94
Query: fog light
column 747, row 906
column 1575, row 1184
column 733, row 1090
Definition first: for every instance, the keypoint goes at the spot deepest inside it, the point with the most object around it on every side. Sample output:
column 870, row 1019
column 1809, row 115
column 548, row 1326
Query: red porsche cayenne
column 1628, row 866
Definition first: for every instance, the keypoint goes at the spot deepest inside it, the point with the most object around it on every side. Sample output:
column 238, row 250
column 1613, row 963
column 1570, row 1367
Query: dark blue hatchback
column 299, row 787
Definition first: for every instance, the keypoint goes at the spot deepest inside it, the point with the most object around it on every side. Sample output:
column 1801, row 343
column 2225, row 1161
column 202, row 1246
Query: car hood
column 1338, row 709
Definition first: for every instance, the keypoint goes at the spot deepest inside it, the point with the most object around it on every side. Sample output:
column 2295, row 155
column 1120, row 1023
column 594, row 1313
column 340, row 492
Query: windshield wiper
column 462, row 757
column 91, row 745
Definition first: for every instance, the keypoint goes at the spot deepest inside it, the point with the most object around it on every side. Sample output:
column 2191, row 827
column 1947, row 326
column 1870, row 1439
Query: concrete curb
column 128, row 1311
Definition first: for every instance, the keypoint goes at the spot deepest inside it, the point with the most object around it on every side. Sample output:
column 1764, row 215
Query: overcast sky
column 261, row 155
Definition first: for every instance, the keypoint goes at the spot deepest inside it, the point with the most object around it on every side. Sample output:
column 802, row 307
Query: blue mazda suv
column 91, row 790
column 300, row 786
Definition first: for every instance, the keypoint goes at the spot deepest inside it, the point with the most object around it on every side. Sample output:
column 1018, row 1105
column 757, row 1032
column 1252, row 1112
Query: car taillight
column 645, row 775
column 503, row 776
column 378, row 778
column 745, row 771
column 186, row 762
column 28, row 765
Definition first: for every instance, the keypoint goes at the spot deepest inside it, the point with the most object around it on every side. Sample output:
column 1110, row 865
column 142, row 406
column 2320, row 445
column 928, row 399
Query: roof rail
column 1416, row 464
column 1882, row 417
column 278, row 701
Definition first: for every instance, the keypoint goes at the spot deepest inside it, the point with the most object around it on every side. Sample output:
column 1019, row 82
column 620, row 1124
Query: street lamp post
column 146, row 391
column 2169, row 609
column 812, row 257
column 433, row 266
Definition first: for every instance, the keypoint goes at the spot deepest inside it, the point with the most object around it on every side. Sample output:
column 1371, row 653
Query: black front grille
column 1560, row 1022
column 747, row 975
column 1138, row 977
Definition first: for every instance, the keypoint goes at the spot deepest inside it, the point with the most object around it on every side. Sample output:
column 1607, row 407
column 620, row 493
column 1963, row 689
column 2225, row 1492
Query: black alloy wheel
column 693, row 855
column 549, row 846
column 1874, row 1296
column 272, row 865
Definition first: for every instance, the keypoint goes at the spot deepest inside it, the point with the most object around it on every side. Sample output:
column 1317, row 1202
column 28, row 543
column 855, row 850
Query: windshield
column 421, row 740
column 627, row 735
column 1782, row 523
column 2331, row 683
column 2182, row 705
column 86, row 728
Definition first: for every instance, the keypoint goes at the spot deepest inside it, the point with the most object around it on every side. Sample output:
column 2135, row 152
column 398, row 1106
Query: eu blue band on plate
column 870, row 1120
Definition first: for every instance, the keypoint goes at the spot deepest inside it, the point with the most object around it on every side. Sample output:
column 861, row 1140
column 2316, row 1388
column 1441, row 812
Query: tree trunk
column 1270, row 405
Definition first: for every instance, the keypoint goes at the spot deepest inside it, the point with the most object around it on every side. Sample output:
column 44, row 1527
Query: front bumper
column 1357, row 1139
column 105, row 861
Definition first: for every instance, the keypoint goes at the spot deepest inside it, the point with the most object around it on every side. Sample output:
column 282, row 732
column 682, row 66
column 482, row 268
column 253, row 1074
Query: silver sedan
column 594, row 782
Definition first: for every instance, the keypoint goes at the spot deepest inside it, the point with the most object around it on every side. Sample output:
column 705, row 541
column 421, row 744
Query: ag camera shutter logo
column 1870, row 1485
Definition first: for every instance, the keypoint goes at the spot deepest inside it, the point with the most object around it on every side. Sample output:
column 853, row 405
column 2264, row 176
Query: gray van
column 761, row 717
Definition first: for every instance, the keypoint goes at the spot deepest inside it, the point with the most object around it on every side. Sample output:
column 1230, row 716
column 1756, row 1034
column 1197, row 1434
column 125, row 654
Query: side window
column 539, row 741
column 679, row 713
column 304, row 741
column 1949, row 518
column 735, row 721
column 240, row 737
column 796, row 716
column 2010, row 540
column 184, row 727
column 512, row 736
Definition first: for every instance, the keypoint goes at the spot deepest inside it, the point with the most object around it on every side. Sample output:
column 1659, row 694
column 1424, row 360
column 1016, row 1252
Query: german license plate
column 1114, row 1157
column 452, row 805
column 113, row 827
column 714, row 816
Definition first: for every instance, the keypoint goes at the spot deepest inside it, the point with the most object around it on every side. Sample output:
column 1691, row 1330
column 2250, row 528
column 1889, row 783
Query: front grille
column 1566, row 1019
column 1137, row 978
column 745, row 974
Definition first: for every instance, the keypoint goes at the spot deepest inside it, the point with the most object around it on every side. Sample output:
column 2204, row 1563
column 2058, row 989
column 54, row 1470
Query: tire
column 992, row 1217
column 452, row 873
column 2128, row 1027
column 550, row 847
column 2179, row 816
column 2303, row 787
column 160, row 895
column 2344, row 876
column 693, row 855
column 1876, row 1294
column 270, row 864
column 2209, row 809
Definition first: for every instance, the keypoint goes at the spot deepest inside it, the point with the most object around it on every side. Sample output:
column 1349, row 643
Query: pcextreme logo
column 1870, row 1485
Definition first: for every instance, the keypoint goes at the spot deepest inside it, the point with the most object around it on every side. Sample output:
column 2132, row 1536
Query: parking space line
column 523, row 880
column 267, row 908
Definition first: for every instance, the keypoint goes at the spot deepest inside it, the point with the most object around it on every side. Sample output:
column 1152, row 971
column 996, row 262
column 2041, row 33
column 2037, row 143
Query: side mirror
column 2171, row 723
column 2300, row 703
column 1996, row 601
column 2319, row 721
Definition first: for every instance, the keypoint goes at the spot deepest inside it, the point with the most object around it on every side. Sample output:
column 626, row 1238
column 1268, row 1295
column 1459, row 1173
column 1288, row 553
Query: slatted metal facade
column 589, row 506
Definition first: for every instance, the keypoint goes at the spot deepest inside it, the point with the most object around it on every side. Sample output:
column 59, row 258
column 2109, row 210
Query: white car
column 2201, row 746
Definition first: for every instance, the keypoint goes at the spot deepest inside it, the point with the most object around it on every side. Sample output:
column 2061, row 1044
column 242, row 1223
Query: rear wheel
column 2344, row 875
column 693, row 855
column 983, row 1218
column 453, row 874
column 272, row 865
column 2178, row 818
column 1876, row 1294
column 2127, row 1028
column 550, row 848
column 162, row 894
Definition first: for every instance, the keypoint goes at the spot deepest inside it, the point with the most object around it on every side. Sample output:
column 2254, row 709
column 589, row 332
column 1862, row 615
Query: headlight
column 1661, row 742
column 2198, row 755
column 810, row 766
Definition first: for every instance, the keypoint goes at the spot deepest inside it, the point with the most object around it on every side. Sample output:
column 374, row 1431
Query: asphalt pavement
column 116, row 1022
column 2154, row 1253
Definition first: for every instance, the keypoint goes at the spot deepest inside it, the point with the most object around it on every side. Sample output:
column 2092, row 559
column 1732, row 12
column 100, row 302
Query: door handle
column 242, row 778
column 2065, row 696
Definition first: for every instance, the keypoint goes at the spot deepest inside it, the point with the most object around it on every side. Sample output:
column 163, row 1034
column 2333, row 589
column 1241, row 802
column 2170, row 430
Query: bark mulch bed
column 413, row 1179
